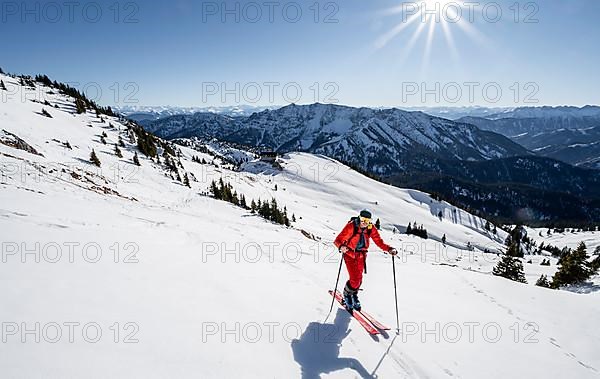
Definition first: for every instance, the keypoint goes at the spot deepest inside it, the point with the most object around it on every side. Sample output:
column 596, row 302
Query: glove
column 393, row 251
column 344, row 249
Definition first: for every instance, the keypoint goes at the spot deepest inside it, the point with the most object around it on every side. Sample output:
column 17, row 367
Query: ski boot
column 355, row 301
column 348, row 301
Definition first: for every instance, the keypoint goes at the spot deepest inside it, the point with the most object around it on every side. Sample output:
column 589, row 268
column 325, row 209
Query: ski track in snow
column 552, row 340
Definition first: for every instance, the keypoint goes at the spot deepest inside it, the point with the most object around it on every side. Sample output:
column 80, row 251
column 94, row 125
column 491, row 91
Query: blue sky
column 184, row 53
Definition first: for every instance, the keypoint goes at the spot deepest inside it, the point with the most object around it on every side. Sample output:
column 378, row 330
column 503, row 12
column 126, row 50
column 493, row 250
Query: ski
column 362, row 320
column 369, row 318
column 373, row 321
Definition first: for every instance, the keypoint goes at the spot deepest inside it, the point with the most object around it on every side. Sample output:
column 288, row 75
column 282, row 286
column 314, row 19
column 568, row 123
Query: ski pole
column 336, row 284
column 396, row 294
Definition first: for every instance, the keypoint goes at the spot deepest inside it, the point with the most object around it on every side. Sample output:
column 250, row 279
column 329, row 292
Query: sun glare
column 425, row 17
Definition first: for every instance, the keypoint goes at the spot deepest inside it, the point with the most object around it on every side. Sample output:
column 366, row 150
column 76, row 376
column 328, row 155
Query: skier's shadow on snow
column 318, row 349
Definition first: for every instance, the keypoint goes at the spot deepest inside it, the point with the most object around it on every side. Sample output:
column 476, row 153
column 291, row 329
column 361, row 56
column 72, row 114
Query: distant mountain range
column 414, row 149
column 146, row 114
column 455, row 113
column 549, row 112
column 381, row 141
column 566, row 133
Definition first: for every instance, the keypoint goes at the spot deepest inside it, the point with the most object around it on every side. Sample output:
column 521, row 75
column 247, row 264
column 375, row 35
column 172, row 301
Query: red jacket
column 345, row 238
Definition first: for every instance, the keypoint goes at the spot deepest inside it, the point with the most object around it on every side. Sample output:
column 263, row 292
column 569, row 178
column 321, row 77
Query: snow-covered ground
column 566, row 239
column 182, row 285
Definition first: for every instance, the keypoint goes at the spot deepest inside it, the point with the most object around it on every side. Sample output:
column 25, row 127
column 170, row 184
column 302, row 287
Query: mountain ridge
column 399, row 146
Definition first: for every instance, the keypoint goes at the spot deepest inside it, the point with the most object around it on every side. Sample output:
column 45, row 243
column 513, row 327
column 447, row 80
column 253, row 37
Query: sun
column 425, row 16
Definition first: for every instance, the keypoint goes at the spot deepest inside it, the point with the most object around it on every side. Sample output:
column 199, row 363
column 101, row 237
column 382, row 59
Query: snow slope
column 566, row 239
column 200, row 288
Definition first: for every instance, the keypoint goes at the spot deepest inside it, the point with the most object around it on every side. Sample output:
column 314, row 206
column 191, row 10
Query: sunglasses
column 365, row 220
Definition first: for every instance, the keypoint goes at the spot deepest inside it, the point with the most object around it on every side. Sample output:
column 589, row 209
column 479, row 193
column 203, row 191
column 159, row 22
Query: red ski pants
column 355, row 265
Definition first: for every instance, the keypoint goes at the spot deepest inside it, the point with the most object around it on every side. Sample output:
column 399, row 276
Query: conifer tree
column 275, row 215
column 80, row 105
column 45, row 113
column 186, row 180
column 265, row 210
column 136, row 160
column 574, row 268
column 543, row 281
column 94, row 158
column 2, row 86
column 595, row 264
column 145, row 142
column 118, row 151
column 510, row 267
column 214, row 190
